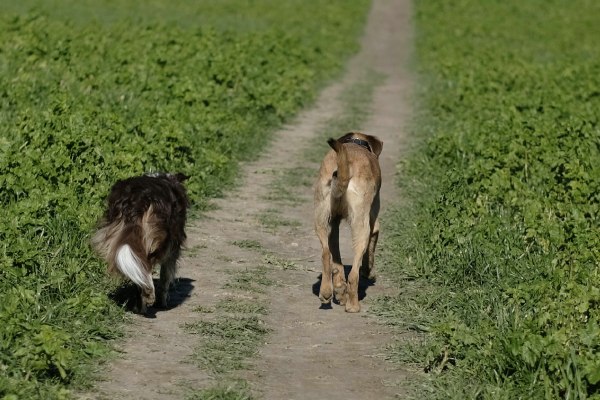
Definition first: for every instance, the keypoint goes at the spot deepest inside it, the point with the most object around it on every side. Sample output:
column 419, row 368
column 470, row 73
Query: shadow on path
column 128, row 296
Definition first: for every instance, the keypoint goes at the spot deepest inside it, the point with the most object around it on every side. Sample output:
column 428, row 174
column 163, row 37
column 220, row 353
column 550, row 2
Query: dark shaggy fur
column 144, row 225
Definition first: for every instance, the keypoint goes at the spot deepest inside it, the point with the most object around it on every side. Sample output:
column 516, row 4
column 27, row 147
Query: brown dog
column 144, row 225
column 348, row 188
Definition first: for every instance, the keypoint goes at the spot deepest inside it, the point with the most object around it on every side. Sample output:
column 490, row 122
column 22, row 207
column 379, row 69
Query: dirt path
column 311, row 352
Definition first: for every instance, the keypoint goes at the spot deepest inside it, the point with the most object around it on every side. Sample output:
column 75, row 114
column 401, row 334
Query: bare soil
column 312, row 352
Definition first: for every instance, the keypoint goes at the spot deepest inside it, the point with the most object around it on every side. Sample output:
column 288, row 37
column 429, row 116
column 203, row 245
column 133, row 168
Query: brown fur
column 347, row 188
column 144, row 225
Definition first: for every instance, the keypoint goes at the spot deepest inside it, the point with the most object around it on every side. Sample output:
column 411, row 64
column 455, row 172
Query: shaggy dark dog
column 144, row 225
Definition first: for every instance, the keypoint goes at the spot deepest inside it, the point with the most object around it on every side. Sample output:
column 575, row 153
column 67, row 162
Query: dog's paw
column 372, row 278
column 368, row 274
column 340, row 294
column 140, row 308
column 325, row 298
column 325, row 292
column 162, row 301
column 148, row 298
column 352, row 308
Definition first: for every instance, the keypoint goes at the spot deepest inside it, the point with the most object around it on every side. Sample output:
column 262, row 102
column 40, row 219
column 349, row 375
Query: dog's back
column 151, row 207
column 348, row 172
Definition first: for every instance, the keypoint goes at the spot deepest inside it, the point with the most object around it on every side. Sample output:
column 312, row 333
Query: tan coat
column 347, row 188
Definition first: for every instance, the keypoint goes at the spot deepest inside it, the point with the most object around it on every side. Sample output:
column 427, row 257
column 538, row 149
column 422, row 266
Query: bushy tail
column 342, row 175
column 127, row 248
column 130, row 265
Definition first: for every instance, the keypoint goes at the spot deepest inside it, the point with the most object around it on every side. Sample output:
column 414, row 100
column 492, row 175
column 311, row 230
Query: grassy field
column 91, row 92
column 497, row 244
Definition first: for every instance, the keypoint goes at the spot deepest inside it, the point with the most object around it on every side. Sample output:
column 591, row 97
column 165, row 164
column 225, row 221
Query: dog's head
column 371, row 143
column 175, row 182
column 178, row 177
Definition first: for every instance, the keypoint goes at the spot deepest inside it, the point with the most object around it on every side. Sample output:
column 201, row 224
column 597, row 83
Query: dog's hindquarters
column 132, row 259
column 144, row 224
column 130, row 249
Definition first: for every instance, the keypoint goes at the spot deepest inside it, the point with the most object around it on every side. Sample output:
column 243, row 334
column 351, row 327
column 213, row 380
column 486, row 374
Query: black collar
column 360, row 142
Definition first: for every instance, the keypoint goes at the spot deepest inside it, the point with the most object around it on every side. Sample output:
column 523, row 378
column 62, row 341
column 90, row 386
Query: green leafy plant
column 91, row 92
column 498, row 246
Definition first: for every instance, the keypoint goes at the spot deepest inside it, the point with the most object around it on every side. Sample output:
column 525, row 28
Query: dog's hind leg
column 360, row 242
column 326, row 288
column 339, row 275
column 167, row 273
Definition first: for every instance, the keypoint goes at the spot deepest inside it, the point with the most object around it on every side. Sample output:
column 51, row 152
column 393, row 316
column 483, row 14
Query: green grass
column 289, row 183
column 496, row 244
column 243, row 306
column 227, row 342
column 231, row 334
column 248, row 244
column 272, row 219
column 250, row 280
column 234, row 391
column 194, row 250
column 279, row 262
column 91, row 92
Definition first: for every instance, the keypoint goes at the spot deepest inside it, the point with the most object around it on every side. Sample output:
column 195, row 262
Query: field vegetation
column 497, row 243
column 91, row 92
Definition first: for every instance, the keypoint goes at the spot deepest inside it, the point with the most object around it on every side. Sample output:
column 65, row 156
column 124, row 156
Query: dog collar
column 360, row 142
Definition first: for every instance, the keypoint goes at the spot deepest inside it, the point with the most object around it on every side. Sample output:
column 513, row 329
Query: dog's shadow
column 128, row 296
column 363, row 285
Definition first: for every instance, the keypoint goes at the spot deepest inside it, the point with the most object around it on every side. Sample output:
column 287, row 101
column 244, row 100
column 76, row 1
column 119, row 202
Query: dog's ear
column 181, row 177
column 334, row 144
column 375, row 144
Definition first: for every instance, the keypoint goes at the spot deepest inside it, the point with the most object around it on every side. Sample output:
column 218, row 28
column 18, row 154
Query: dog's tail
column 131, row 265
column 342, row 175
column 129, row 247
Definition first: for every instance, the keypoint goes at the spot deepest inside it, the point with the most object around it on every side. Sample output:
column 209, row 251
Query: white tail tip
column 131, row 266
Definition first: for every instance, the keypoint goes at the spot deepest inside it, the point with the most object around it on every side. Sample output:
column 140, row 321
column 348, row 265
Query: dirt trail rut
column 311, row 352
